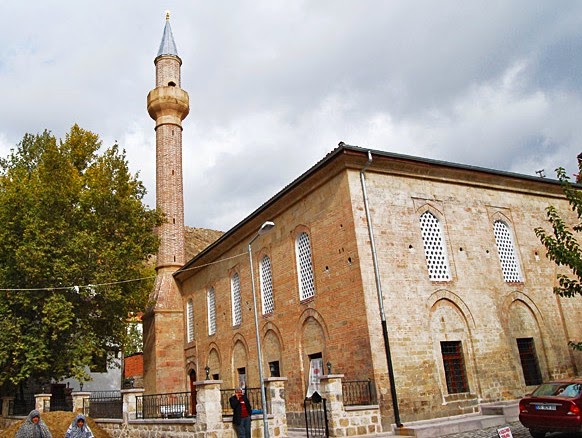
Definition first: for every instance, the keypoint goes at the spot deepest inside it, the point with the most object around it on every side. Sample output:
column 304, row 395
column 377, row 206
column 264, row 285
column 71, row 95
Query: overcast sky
column 275, row 85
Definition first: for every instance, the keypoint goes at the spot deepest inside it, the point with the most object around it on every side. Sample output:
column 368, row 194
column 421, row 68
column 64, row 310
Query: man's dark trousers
column 244, row 428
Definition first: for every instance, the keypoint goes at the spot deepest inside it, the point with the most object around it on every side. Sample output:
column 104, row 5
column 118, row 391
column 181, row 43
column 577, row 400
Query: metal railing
column 316, row 422
column 253, row 394
column 359, row 392
column 22, row 404
column 171, row 405
column 104, row 404
column 61, row 402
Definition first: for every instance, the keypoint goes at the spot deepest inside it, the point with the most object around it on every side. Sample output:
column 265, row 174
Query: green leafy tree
column 562, row 244
column 134, row 342
column 74, row 235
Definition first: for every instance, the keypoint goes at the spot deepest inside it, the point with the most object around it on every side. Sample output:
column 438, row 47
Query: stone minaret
column 168, row 105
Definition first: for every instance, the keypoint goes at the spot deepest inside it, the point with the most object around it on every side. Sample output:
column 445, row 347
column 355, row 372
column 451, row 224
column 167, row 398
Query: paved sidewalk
column 517, row 430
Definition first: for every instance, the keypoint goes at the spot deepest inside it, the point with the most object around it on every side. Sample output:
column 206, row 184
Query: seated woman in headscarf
column 79, row 428
column 33, row 427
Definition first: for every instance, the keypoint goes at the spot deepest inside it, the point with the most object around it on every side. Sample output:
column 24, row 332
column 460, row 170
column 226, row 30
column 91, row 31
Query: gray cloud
column 275, row 85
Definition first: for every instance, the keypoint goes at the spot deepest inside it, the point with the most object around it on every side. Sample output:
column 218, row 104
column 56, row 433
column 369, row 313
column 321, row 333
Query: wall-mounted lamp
column 207, row 369
column 328, row 367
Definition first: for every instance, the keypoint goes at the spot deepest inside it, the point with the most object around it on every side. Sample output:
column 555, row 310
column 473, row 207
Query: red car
column 553, row 407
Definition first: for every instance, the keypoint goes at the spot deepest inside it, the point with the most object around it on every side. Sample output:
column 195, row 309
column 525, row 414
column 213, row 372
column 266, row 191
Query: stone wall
column 476, row 306
column 209, row 421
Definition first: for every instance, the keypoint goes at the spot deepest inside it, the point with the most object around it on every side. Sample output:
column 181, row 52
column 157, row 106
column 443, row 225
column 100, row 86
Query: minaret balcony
column 170, row 103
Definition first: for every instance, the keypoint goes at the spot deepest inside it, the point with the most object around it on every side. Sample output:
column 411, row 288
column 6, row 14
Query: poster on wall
column 315, row 372
column 242, row 381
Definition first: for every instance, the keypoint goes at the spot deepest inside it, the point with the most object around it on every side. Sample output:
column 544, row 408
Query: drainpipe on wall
column 379, row 291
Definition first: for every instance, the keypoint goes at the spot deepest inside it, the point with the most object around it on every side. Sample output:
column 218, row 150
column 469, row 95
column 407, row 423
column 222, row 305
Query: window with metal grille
column 190, row 321
column 454, row 364
column 435, row 251
column 304, row 266
column 236, row 300
column 211, row 312
column 529, row 361
column 506, row 251
column 266, row 285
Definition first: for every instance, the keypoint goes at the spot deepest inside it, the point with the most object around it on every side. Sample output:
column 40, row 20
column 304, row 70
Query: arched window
column 211, row 312
column 506, row 251
column 236, row 300
column 435, row 250
column 189, row 321
column 304, row 266
column 266, row 281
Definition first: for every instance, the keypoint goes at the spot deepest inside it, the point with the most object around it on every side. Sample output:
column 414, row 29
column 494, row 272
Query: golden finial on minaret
column 167, row 15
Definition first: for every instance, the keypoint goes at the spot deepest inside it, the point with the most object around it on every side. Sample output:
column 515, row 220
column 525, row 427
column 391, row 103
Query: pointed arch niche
column 451, row 325
column 525, row 327
column 240, row 364
column 213, row 363
column 314, row 337
column 272, row 351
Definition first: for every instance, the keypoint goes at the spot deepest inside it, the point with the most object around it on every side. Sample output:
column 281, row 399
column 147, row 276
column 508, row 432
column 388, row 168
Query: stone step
column 509, row 409
column 449, row 425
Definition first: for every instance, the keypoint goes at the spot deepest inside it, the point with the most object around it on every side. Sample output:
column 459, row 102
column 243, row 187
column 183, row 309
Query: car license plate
column 545, row 407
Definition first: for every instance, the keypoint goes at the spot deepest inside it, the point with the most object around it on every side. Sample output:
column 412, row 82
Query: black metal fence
column 253, row 394
column 359, row 392
column 22, row 404
column 104, row 404
column 171, row 405
column 61, row 402
column 316, row 423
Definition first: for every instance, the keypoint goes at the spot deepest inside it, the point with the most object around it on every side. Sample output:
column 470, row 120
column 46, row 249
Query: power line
column 76, row 288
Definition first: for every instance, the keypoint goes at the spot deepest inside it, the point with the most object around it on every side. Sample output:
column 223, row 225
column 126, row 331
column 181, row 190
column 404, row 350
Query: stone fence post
column 42, row 402
column 6, row 400
column 208, row 409
column 275, row 387
column 80, row 401
column 129, row 397
column 350, row 421
column 331, row 388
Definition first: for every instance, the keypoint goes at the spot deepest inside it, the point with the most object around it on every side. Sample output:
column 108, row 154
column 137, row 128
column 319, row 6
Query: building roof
column 167, row 45
column 397, row 164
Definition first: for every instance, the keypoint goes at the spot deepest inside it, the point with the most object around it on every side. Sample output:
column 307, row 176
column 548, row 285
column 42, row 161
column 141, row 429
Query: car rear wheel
column 537, row 434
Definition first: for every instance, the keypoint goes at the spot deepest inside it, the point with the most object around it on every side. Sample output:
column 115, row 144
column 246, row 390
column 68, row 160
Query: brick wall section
column 168, row 70
column 332, row 323
column 133, row 366
column 169, row 194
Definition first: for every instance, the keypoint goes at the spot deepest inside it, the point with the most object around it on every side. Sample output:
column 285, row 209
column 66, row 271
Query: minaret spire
column 167, row 45
column 168, row 105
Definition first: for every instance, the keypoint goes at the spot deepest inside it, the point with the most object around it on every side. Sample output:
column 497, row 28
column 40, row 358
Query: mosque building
column 422, row 277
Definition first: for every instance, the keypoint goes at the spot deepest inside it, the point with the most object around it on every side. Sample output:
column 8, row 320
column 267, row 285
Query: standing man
column 241, row 413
